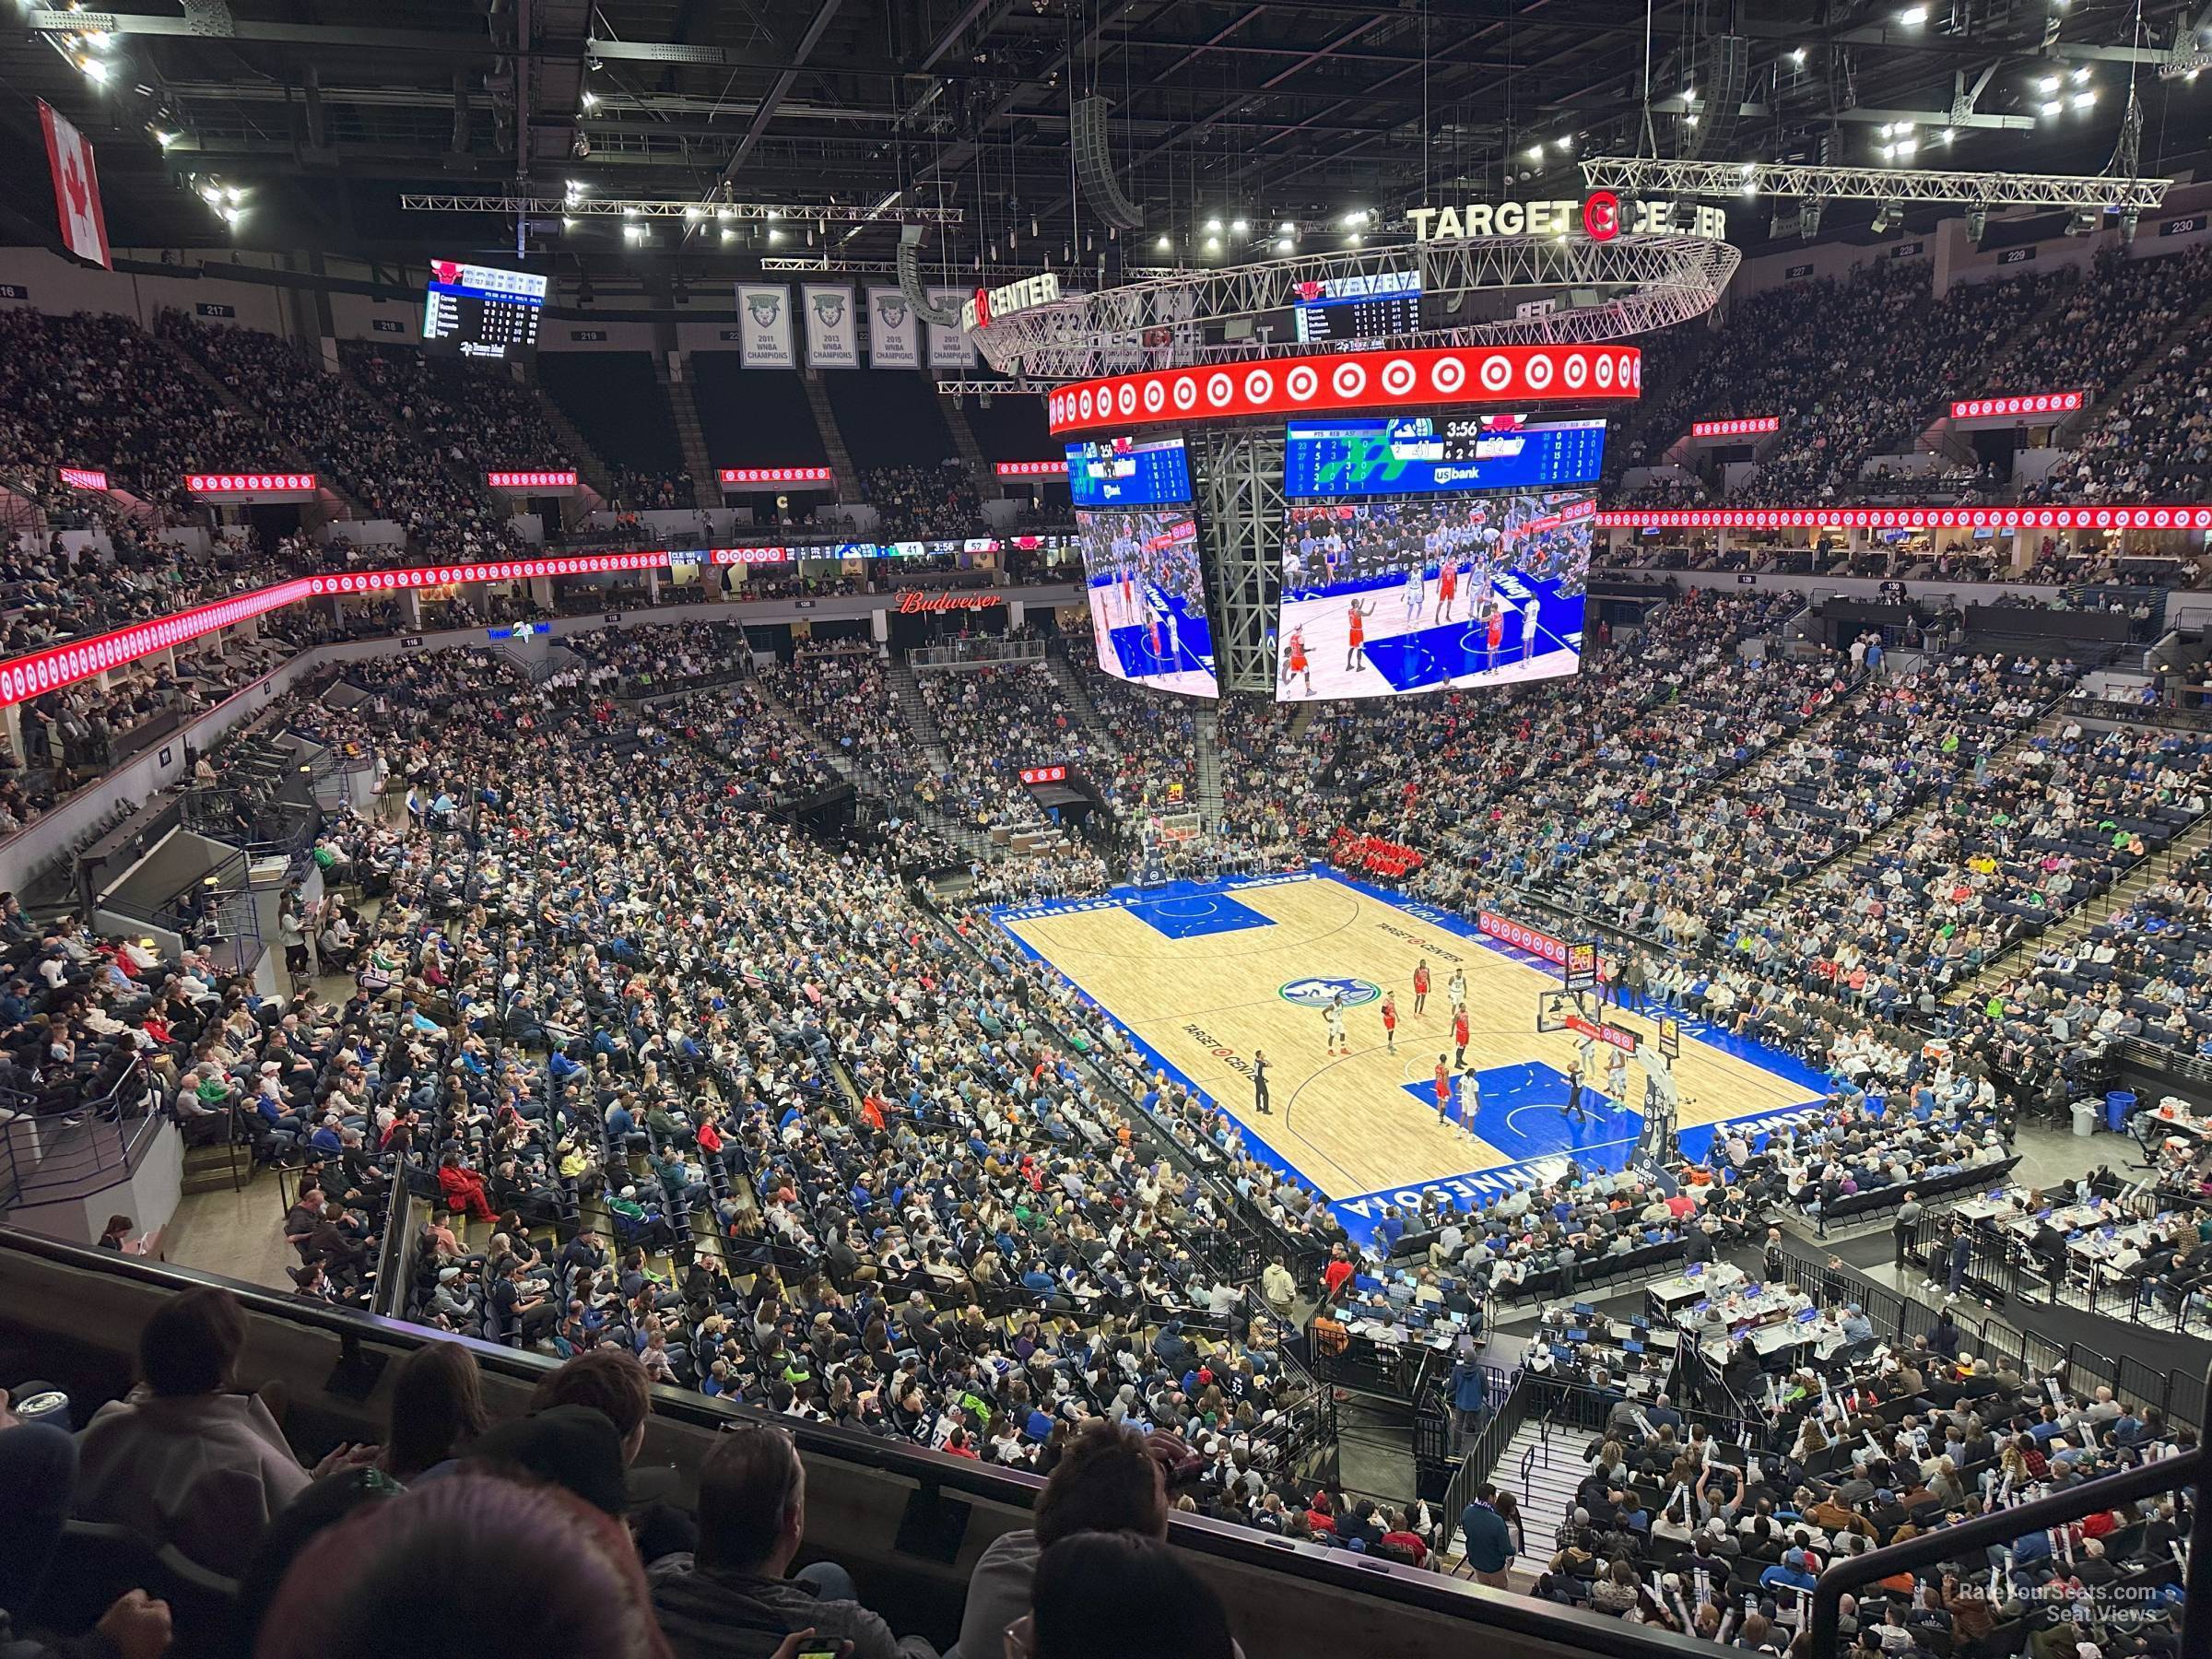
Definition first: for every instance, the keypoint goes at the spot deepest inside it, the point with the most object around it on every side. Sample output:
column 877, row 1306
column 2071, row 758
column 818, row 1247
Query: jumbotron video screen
column 1419, row 559
column 1139, row 541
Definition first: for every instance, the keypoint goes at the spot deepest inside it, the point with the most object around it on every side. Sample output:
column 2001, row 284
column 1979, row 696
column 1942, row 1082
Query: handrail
column 1956, row 1538
column 1471, row 1605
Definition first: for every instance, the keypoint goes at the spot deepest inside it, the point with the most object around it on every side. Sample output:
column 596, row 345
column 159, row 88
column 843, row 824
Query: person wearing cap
column 1793, row 1572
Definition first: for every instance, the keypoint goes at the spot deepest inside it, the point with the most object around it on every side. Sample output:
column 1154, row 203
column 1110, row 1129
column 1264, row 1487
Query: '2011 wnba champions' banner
column 833, row 338
column 764, row 326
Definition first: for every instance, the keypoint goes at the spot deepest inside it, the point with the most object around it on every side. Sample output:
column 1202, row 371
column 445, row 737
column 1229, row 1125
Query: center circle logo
column 1320, row 992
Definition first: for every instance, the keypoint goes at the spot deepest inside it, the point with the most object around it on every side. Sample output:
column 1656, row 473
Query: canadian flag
column 76, row 188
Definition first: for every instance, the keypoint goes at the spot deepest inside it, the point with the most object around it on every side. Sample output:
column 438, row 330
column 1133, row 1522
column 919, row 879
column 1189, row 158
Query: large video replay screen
column 1140, row 542
column 1427, row 553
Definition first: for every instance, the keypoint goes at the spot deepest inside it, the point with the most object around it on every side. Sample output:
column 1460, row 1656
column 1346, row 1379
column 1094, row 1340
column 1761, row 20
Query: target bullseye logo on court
column 1320, row 992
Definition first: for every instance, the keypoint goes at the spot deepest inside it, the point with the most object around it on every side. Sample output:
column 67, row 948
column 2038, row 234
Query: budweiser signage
column 259, row 483
column 531, row 480
column 1749, row 426
column 754, row 477
column 1032, row 469
column 1351, row 380
column 2041, row 403
column 83, row 477
column 1897, row 518
column 913, row 601
column 1044, row 774
column 1507, row 931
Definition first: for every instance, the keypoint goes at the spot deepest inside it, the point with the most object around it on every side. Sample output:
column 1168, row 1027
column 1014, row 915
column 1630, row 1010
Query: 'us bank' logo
column 1320, row 992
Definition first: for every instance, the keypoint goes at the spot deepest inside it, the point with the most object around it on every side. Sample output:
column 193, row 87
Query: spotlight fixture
column 2129, row 218
column 2083, row 100
column 1238, row 227
column 1912, row 16
column 1282, row 244
column 2049, row 107
column 1536, row 152
column 1977, row 225
column 2083, row 221
column 1286, row 229
column 2047, row 85
column 1162, row 246
column 1891, row 216
column 1213, row 226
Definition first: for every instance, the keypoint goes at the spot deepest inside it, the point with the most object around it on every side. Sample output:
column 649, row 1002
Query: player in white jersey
column 1333, row 1015
column 1416, row 590
column 1530, row 612
column 1174, row 634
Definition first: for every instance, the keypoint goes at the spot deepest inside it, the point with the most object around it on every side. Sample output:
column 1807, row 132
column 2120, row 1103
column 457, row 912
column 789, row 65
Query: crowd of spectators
column 924, row 500
column 2153, row 442
column 995, row 721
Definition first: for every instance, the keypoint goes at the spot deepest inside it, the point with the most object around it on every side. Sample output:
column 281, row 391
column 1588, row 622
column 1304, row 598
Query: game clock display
column 479, row 310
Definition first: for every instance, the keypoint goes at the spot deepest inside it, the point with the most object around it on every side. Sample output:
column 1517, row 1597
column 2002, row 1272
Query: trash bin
column 2119, row 1106
column 2084, row 1118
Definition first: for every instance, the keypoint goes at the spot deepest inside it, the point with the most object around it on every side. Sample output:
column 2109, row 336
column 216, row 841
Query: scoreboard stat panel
column 483, row 311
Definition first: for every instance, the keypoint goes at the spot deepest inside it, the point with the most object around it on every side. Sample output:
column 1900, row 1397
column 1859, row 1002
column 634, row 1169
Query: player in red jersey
column 1495, row 636
column 1355, row 649
column 1459, row 1032
column 1389, row 1022
column 1152, row 635
column 1447, row 587
column 1421, row 987
column 1298, row 665
column 1443, row 1088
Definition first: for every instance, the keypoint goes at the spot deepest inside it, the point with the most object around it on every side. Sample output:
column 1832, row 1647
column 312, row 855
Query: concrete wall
column 149, row 1198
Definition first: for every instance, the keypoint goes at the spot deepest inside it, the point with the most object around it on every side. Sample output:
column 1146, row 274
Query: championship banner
column 764, row 326
column 832, row 340
column 76, row 189
column 948, row 347
column 894, row 332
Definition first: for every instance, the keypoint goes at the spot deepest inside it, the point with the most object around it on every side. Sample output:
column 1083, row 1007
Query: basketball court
column 1203, row 975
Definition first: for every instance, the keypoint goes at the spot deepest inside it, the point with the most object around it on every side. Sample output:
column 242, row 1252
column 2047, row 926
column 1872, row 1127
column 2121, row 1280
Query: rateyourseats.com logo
column 1320, row 992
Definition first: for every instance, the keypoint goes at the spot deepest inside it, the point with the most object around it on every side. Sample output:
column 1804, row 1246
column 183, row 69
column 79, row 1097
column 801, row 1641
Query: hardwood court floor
column 1362, row 1124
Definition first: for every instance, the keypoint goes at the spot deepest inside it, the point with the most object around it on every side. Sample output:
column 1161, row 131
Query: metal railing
column 1958, row 1539
column 70, row 1146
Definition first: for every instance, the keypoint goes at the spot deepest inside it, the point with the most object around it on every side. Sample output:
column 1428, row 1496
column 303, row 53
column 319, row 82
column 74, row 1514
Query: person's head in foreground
column 1119, row 1596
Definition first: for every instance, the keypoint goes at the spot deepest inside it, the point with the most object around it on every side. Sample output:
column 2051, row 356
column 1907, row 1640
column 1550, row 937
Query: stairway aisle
column 683, row 408
column 833, row 440
column 590, row 466
column 1205, row 751
column 1545, row 1494
column 1095, row 729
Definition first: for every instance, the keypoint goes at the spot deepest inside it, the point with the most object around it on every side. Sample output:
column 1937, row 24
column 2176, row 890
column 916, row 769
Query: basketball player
column 1447, row 586
column 1421, row 987
column 1443, row 1090
column 1459, row 1032
column 1334, row 1017
column 1128, row 594
column 1530, row 612
column 1416, row 588
column 1495, row 637
column 1153, row 633
column 1298, row 666
column 1355, row 650
column 1389, row 1023
column 1259, row 1083
column 1456, row 988
column 1470, row 1099
column 1174, row 636
column 1574, row 1095
column 1616, row 1080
